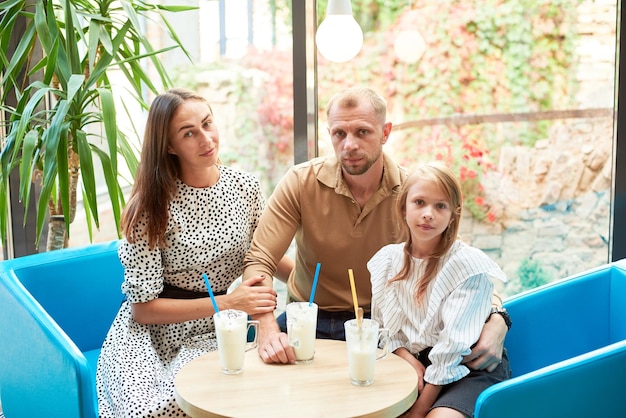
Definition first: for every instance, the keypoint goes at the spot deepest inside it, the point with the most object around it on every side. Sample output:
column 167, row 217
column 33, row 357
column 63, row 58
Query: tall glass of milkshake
column 301, row 329
column 231, row 329
column 362, row 343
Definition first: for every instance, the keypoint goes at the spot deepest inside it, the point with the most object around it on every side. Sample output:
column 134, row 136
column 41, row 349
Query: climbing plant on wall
column 480, row 57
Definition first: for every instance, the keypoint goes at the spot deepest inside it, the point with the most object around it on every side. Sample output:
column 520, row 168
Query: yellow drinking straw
column 354, row 299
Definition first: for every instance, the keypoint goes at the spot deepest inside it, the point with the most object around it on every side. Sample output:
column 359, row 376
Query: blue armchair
column 567, row 345
column 567, row 349
column 55, row 310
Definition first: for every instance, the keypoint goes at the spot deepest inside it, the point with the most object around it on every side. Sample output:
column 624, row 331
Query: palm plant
column 65, row 121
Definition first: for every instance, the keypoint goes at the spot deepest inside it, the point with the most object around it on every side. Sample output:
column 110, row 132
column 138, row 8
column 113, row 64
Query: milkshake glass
column 362, row 345
column 301, row 330
column 231, row 329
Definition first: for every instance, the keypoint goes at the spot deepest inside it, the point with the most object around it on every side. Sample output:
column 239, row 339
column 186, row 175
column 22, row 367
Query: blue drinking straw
column 317, row 275
column 208, row 286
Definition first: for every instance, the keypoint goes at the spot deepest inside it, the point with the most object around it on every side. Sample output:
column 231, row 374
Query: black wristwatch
column 503, row 313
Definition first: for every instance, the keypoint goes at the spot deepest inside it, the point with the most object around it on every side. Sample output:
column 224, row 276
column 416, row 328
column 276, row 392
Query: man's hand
column 275, row 348
column 487, row 353
column 273, row 345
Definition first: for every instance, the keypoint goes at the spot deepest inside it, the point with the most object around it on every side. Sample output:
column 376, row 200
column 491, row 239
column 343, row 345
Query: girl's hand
column 417, row 365
column 251, row 298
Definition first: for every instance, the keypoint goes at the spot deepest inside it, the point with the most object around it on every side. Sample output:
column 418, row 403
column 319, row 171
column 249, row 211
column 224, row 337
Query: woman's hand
column 251, row 298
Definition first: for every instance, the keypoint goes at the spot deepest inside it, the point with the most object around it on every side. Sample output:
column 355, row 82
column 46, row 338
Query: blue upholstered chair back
column 567, row 349
column 55, row 310
column 567, row 319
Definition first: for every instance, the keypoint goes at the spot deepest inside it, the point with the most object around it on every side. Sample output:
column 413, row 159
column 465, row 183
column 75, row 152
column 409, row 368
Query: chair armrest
column 589, row 385
column 55, row 307
column 42, row 372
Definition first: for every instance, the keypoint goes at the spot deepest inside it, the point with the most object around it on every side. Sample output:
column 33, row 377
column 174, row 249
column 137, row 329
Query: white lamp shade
column 339, row 37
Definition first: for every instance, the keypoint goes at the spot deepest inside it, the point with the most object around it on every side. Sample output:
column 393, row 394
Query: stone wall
column 554, row 199
column 554, row 203
column 597, row 21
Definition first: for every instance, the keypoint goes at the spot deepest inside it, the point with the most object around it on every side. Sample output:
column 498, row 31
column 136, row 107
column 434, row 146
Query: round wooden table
column 319, row 389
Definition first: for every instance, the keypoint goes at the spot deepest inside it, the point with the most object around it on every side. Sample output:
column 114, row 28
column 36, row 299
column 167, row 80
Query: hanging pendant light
column 339, row 37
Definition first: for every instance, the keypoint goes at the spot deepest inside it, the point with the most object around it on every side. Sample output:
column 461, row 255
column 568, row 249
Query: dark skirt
column 462, row 394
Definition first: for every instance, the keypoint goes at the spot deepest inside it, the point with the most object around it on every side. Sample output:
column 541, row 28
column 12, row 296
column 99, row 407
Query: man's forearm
column 267, row 325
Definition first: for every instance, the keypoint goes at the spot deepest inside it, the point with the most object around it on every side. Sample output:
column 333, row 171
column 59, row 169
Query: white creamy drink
column 231, row 329
column 361, row 363
column 362, row 347
column 304, row 332
column 301, row 329
column 231, row 339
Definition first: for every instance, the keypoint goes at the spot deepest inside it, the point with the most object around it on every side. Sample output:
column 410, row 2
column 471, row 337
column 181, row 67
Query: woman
column 187, row 215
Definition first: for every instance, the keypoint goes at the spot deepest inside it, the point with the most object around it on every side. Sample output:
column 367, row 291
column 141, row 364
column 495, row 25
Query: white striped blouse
column 451, row 315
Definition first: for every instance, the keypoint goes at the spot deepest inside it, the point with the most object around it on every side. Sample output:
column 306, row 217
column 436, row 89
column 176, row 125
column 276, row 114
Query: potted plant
column 66, row 120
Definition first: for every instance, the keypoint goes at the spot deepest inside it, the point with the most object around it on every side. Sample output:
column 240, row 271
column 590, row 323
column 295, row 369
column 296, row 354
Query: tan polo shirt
column 313, row 204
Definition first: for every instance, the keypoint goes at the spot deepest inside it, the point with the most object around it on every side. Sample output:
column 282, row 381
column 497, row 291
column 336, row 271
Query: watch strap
column 503, row 313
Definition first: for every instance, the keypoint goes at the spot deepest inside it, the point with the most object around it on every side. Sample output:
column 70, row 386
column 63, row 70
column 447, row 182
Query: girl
column 434, row 292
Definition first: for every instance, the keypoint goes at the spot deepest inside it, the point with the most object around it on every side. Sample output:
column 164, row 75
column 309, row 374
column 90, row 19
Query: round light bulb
column 339, row 37
column 409, row 46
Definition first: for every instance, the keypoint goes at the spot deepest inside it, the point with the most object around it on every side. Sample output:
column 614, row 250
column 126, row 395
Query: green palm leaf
column 71, row 109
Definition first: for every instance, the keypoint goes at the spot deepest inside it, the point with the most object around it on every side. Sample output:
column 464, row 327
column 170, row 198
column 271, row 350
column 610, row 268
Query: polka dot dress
column 209, row 231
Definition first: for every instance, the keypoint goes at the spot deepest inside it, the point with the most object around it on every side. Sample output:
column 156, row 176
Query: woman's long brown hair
column 450, row 186
column 155, row 182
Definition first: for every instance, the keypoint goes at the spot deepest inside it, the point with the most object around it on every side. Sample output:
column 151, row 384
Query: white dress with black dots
column 209, row 231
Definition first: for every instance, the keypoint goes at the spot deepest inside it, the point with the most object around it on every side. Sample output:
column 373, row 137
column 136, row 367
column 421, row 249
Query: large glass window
column 239, row 56
column 518, row 97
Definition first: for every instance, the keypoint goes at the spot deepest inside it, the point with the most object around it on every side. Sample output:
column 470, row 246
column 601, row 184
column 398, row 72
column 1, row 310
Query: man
column 341, row 211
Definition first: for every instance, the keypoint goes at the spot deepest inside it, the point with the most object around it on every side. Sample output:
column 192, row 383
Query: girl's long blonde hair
column 451, row 187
